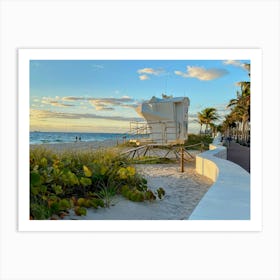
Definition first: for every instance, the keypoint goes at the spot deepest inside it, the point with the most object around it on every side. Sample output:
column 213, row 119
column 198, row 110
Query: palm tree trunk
column 206, row 128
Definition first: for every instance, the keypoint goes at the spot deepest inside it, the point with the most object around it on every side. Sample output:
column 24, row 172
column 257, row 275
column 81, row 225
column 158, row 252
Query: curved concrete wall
column 229, row 196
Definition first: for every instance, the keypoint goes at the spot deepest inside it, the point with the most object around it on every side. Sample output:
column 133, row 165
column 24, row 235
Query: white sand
column 183, row 192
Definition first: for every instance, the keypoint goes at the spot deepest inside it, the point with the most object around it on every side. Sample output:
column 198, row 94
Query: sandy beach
column 183, row 190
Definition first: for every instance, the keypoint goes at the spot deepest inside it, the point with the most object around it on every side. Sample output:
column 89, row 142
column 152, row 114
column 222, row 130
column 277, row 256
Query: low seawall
column 229, row 196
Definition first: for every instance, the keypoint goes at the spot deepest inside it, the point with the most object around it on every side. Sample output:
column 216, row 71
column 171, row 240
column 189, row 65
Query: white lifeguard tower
column 166, row 118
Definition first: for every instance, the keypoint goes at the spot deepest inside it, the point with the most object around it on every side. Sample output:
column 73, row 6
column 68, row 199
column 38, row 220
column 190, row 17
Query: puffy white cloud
column 201, row 73
column 145, row 73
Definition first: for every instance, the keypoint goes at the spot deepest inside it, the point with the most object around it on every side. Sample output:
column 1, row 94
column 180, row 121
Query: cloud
column 144, row 77
column 103, row 104
column 150, row 71
column 232, row 62
column 133, row 106
column 201, row 73
column 126, row 97
column 72, row 98
column 146, row 72
column 246, row 66
column 100, row 106
column 237, row 63
column 111, row 100
column 55, row 103
column 46, row 114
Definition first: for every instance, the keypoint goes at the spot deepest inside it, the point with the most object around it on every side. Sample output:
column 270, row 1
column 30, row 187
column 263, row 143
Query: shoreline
column 76, row 146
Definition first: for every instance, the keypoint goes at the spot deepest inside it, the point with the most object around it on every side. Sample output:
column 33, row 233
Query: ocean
column 37, row 137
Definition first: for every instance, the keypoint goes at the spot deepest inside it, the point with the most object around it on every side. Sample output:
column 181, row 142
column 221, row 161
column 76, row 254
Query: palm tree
column 208, row 116
column 240, row 109
column 200, row 121
column 228, row 124
column 213, row 127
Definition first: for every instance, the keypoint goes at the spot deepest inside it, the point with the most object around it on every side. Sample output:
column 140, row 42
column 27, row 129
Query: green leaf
column 122, row 173
column 64, row 204
column 80, row 211
column 87, row 171
column 103, row 170
column 43, row 189
column 73, row 178
column 57, row 189
column 35, row 190
column 44, row 162
column 35, row 179
column 85, row 181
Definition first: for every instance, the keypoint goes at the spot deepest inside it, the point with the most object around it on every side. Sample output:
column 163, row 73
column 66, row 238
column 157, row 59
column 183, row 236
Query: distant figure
column 76, row 139
column 229, row 140
column 80, row 138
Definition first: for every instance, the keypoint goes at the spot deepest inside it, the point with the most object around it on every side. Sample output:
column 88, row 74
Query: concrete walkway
column 240, row 155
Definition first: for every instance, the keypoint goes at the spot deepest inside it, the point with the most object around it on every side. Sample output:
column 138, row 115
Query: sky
column 101, row 95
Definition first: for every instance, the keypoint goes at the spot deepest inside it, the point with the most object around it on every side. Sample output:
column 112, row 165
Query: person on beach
column 76, row 139
column 80, row 139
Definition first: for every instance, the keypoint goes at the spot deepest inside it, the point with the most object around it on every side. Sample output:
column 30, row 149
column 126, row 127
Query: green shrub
column 149, row 195
column 54, row 208
column 61, row 181
column 39, row 212
column 64, row 204
column 81, row 202
column 198, row 139
column 80, row 211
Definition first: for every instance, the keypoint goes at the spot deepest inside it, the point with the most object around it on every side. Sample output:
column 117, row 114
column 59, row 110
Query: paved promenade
column 239, row 155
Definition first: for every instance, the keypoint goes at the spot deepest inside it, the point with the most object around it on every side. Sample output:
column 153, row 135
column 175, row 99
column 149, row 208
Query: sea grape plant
column 59, row 182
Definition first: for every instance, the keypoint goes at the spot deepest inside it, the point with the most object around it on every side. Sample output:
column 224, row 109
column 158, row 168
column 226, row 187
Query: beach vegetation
column 80, row 180
column 80, row 211
column 200, row 141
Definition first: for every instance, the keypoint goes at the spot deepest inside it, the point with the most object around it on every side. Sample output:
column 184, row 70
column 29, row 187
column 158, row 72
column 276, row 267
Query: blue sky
column 101, row 95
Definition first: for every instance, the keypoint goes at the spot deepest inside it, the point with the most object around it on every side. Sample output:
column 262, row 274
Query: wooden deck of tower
column 160, row 150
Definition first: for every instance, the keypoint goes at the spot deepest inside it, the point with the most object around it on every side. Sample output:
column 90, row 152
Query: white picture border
column 24, row 57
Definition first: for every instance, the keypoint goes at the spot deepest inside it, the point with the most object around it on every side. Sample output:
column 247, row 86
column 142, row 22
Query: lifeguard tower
column 166, row 119
column 165, row 126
